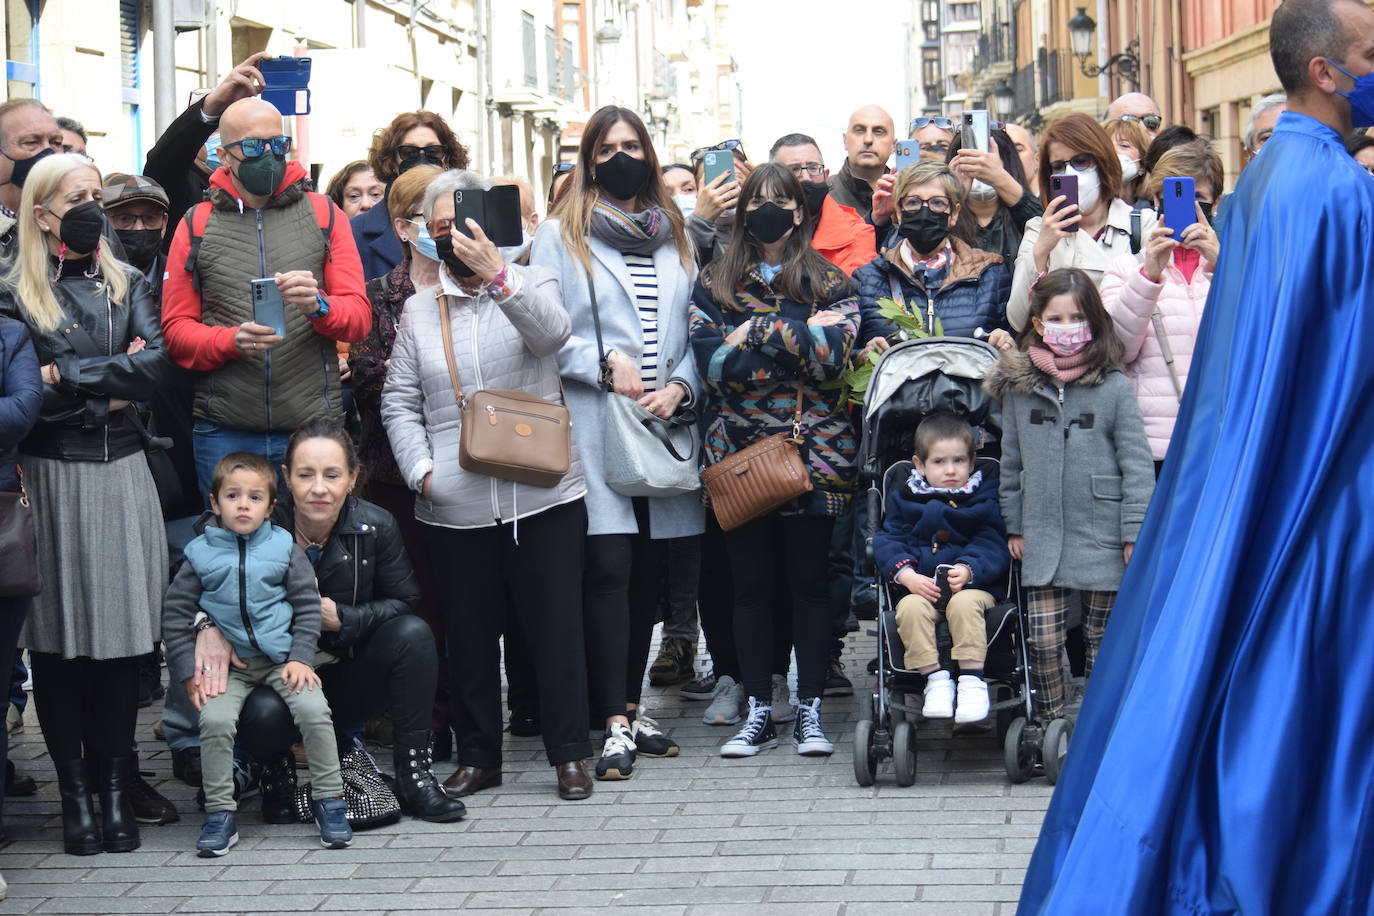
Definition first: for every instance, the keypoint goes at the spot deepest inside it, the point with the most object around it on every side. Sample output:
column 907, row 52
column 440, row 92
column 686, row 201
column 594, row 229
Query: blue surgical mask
column 1361, row 97
column 686, row 203
column 424, row 245
column 212, row 151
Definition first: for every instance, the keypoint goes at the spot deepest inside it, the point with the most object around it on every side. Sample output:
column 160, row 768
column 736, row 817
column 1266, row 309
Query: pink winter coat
column 1131, row 299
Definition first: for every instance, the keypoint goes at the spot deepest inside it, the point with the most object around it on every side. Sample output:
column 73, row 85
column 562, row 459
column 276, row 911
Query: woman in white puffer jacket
column 1173, row 282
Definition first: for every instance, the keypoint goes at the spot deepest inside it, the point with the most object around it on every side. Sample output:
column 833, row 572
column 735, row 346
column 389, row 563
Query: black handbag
column 369, row 800
column 19, row 575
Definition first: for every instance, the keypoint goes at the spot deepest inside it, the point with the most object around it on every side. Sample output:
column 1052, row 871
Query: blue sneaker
column 220, row 833
column 332, row 816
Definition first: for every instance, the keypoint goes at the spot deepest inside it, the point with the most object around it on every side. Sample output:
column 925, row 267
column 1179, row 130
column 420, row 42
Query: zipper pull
column 491, row 415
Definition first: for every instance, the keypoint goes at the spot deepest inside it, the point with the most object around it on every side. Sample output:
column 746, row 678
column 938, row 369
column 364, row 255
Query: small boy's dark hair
column 940, row 426
column 243, row 461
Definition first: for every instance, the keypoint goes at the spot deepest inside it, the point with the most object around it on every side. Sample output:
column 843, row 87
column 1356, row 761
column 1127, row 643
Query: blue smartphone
column 718, row 162
column 268, row 308
column 1179, row 204
column 286, row 82
column 908, row 152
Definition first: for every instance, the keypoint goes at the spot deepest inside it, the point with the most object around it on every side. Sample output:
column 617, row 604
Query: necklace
column 307, row 542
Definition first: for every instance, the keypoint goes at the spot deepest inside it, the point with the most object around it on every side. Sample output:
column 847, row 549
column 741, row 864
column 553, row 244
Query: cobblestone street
column 691, row 834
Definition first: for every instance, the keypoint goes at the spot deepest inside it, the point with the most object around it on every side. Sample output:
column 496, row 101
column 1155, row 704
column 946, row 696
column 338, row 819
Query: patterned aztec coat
column 751, row 389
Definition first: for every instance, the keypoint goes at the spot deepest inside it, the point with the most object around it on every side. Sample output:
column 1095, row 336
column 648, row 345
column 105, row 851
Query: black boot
column 80, row 832
column 119, row 828
column 278, row 782
column 416, row 788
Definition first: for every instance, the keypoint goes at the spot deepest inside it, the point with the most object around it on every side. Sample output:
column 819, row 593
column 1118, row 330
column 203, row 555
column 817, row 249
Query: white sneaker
column 807, row 734
column 727, row 705
column 782, row 700
column 939, row 703
column 973, row 700
column 757, row 734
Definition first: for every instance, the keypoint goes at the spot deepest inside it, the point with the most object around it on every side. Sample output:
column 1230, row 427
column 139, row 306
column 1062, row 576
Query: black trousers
column 483, row 577
column 796, row 546
column 86, row 707
column 395, row 668
column 716, row 601
column 620, row 601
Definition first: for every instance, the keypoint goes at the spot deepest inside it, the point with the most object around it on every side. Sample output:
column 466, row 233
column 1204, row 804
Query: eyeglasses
column 563, row 168
column 138, row 220
column 434, row 151
column 1081, row 163
column 814, row 169
column 942, row 123
column 1151, row 122
column 736, row 145
column 253, row 147
column 940, row 205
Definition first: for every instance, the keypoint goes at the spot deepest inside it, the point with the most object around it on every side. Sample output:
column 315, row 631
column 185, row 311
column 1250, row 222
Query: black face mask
column 141, row 245
column 769, row 222
column 1206, row 210
column 20, row 172
column 444, row 245
column 924, row 230
column 815, row 193
column 81, row 227
column 422, row 159
column 622, row 176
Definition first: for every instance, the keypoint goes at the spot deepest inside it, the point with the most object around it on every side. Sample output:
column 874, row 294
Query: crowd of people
column 341, row 555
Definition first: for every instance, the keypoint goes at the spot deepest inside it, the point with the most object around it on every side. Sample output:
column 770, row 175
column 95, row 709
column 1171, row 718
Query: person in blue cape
column 1223, row 761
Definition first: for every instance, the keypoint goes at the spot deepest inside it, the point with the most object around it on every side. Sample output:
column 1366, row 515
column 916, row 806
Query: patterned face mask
column 1065, row 338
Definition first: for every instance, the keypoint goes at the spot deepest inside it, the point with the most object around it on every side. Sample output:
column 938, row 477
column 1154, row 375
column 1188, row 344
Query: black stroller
column 913, row 379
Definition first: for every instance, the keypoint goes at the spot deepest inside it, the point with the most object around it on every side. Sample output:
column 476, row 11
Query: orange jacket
column 843, row 237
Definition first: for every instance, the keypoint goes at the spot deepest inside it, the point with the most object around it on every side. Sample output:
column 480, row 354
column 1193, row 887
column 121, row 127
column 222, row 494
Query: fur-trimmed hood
column 1014, row 371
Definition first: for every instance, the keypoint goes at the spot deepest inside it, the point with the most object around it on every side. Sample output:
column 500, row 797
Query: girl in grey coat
column 1076, row 469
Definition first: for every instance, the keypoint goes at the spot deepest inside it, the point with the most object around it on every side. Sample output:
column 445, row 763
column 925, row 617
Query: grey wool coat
column 510, row 344
column 580, row 362
column 1076, row 471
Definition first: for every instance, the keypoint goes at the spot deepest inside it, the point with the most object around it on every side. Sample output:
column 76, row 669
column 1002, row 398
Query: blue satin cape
column 1224, row 758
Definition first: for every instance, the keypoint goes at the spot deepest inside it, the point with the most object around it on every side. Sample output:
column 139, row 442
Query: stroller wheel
column 1055, row 747
column 1018, row 752
column 904, row 753
column 865, row 760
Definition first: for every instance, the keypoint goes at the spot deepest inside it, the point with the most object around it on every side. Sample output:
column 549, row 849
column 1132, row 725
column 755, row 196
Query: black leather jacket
column 363, row 568
column 76, row 423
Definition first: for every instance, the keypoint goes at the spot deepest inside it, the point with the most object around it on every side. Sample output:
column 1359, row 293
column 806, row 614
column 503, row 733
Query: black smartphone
column 268, row 307
column 286, row 84
column 496, row 210
column 942, row 580
column 1065, row 186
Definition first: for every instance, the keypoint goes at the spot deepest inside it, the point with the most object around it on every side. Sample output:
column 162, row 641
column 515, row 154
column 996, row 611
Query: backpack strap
column 324, row 215
column 200, row 213
column 1137, row 242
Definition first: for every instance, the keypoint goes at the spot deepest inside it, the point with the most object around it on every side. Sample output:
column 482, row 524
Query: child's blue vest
column 243, row 582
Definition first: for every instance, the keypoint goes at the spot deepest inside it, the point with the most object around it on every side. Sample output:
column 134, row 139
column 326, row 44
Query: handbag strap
column 23, row 493
column 447, row 334
column 797, row 412
column 604, row 363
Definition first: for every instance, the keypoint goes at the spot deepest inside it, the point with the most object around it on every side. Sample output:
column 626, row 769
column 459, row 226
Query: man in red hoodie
column 841, row 235
column 255, row 385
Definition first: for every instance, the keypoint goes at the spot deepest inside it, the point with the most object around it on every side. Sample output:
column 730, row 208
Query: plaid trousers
column 1046, row 607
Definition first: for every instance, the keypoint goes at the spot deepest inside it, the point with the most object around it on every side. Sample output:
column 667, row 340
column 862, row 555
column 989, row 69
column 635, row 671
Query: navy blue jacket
column 973, row 297
column 927, row 530
column 378, row 247
column 21, row 395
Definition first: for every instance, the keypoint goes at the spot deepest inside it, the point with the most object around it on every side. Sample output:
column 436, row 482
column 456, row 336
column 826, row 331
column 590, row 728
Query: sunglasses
column 1151, row 122
column 433, row 152
column 253, row 147
column 1081, row 163
column 563, row 168
column 942, row 123
column 736, row 145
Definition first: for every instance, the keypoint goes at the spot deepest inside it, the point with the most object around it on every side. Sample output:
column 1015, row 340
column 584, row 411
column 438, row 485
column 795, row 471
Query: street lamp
column 1005, row 97
column 608, row 33
column 1126, row 64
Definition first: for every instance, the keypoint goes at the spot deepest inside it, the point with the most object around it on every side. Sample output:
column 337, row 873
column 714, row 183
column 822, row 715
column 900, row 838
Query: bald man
column 1028, row 153
column 1139, row 106
column 868, row 142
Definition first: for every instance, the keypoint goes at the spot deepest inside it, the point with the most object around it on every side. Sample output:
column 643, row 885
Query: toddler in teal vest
column 251, row 582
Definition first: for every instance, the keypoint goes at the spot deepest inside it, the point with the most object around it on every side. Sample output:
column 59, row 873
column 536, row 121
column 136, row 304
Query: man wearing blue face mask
column 1242, row 626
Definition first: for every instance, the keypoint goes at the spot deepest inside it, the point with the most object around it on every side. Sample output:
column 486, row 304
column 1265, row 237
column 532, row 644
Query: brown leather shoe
column 573, row 782
column 466, row 780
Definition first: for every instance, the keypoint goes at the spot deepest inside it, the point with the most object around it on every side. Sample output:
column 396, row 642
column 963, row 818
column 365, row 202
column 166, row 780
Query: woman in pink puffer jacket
column 1172, row 282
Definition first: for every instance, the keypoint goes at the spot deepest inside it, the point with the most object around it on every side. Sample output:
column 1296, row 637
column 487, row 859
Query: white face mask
column 1130, row 168
column 981, row 191
column 1089, row 187
column 686, row 203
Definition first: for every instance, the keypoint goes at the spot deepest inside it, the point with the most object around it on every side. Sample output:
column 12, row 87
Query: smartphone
column 496, row 210
column 286, row 84
column 1065, row 186
column 268, row 308
column 1178, row 203
column 975, row 133
column 718, row 162
column 908, row 153
column 942, row 580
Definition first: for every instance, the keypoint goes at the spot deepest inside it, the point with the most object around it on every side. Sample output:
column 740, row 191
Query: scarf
column 1065, row 368
column 919, row 486
column 630, row 233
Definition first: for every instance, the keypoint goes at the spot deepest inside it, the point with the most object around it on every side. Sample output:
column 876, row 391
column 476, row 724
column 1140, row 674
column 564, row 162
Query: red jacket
column 199, row 347
column 843, row 237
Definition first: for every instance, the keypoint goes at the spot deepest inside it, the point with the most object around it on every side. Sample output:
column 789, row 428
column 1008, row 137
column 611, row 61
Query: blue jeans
column 211, row 443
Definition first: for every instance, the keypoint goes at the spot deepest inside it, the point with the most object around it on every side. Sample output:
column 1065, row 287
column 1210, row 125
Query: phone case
column 287, row 82
column 1178, row 197
column 497, row 211
column 268, row 308
column 1065, row 186
column 975, row 129
column 718, row 162
column 908, row 153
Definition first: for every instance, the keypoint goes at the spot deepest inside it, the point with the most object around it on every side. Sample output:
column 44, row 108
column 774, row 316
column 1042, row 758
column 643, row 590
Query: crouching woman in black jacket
column 375, row 654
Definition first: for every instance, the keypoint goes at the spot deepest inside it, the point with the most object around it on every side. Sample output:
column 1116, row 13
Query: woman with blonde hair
column 102, row 553
column 1131, row 142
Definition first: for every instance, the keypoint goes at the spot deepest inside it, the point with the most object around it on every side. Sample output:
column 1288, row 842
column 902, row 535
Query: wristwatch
column 203, row 621
column 324, row 306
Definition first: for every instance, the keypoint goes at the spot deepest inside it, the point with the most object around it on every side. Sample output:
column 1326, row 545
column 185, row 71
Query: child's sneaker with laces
column 939, row 702
column 807, row 734
column 617, row 753
column 649, row 738
column 756, row 735
column 973, row 700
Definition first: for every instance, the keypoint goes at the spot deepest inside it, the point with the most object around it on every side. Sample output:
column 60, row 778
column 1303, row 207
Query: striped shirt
column 645, row 280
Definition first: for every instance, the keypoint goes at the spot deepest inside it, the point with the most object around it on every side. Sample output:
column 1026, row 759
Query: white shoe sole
column 961, row 718
column 211, row 853
column 719, row 720
column 747, row 750
column 814, row 748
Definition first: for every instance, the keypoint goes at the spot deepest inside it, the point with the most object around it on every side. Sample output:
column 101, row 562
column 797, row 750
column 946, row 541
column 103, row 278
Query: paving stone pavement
column 695, row 834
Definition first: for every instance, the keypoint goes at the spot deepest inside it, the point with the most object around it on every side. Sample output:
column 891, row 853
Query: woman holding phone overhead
column 619, row 249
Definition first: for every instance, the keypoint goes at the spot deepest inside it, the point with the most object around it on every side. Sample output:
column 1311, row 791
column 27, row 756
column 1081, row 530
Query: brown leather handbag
column 508, row 433
column 758, row 479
